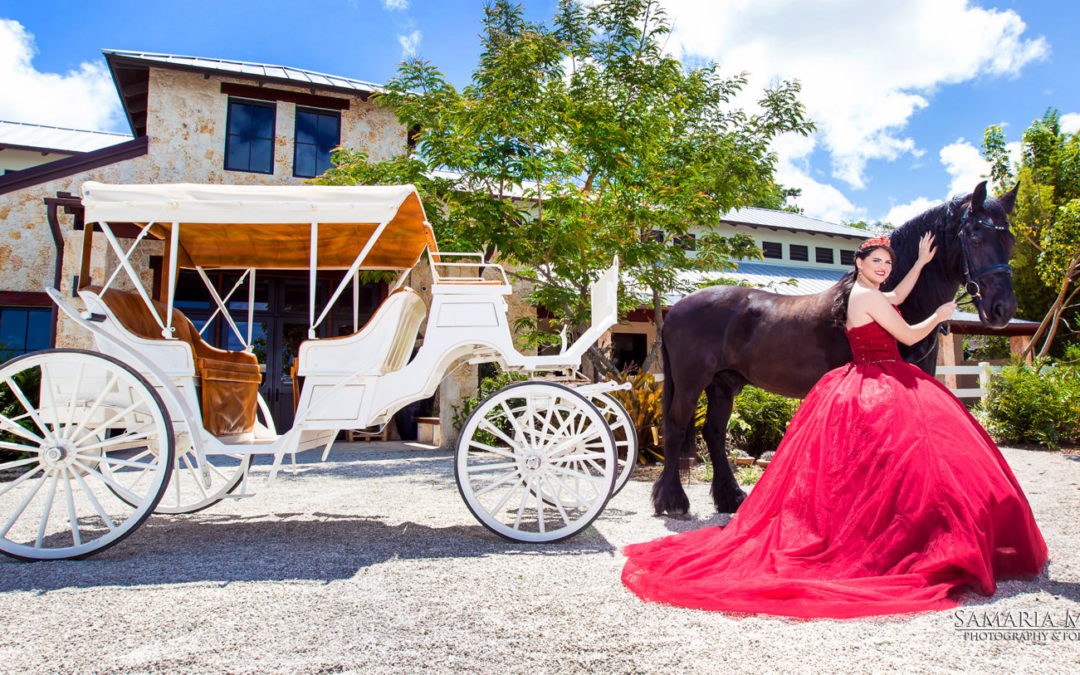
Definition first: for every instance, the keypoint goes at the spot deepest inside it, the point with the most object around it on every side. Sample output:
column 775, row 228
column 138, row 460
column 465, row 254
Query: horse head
column 985, row 245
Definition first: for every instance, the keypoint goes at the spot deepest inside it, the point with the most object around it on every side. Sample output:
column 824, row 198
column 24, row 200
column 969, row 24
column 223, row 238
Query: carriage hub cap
column 532, row 462
column 56, row 453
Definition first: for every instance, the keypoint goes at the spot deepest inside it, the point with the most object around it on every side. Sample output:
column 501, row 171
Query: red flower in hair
column 874, row 241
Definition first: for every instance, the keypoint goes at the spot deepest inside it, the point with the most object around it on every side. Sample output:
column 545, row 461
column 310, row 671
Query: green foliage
column 760, row 419
column 488, row 386
column 1033, row 404
column 578, row 141
column 986, row 347
column 29, row 381
column 643, row 403
column 1046, row 222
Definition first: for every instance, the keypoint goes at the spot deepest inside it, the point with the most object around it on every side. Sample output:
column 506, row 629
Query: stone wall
column 186, row 121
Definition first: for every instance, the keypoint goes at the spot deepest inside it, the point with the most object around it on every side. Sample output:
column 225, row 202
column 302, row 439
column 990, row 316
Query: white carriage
column 155, row 420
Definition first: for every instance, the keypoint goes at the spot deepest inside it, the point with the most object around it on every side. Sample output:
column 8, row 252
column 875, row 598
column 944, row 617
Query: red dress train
column 885, row 496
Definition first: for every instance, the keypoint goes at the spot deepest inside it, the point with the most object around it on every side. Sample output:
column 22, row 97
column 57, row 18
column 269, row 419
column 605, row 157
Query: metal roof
column 758, row 217
column 779, row 278
column 57, row 139
column 288, row 74
column 771, row 277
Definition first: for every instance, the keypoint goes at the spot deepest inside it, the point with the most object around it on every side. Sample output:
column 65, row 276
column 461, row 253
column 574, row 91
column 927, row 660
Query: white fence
column 984, row 370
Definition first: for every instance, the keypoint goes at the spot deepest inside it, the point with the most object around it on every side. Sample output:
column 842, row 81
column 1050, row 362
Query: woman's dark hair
column 839, row 308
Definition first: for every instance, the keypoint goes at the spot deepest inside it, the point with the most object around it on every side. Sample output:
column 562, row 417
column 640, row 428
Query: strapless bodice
column 870, row 343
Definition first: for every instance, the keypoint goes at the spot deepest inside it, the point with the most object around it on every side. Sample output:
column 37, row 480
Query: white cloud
column 901, row 213
column 409, row 43
column 82, row 98
column 865, row 67
column 965, row 166
column 818, row 200
column 1070, row 123
column 395, row 4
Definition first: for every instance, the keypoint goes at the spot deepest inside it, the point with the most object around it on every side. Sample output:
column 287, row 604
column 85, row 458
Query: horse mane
column 942, row 221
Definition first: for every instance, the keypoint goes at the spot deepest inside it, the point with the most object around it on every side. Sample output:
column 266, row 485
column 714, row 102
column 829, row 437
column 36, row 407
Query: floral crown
column 874, row 241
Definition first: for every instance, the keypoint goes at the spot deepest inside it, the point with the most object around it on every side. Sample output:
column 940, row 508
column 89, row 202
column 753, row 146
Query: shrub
column 643, row 402
column 488, row 386
column 1033, row 404
column 760, row 419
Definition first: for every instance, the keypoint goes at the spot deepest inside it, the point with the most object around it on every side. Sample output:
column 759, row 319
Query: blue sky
column 901, row 91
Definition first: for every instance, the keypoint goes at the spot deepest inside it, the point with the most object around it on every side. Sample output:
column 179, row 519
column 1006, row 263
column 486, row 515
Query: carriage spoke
column 120, row 490
column 138, row 433
column 93, row 409
column 540, row 510
column 195, row 476
column 93, row 501
column 16, row 463
column 506, row 497
column 554, row 496
column 123, row 462
column 494, row 467
column 74, row 398
column 563, row 485
column 8, row 424
column 521, row 507
column 491, row 448
column 30, row 410
column 18, row 448
column 492, row 429
column 22, row 505
column 567, row 471
column 47, row 511
column 47, row 385
column 503, row 479
column 73, row 518
column 26, row 476
column 118, row 416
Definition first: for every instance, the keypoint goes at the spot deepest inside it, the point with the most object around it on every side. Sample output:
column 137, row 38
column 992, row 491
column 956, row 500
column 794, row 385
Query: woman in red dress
column 885, row 495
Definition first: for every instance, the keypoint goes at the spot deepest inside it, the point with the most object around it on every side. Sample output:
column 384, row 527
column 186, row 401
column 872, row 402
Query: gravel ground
column 372, row 563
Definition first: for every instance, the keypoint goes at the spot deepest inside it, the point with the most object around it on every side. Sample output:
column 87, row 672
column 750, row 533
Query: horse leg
column 726, row 493
column 668, row 495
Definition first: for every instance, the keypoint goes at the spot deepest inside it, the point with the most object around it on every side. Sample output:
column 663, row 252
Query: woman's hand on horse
column 945, row 311
column 926, row 248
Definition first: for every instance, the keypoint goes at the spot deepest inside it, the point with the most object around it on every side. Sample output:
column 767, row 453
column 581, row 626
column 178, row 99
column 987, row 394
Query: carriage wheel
column 625, row 433
column 536, row 462
column 77, row 429
column 186, row 492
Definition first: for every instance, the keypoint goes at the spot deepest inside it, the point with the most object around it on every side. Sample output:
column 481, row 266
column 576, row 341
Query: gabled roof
column 131, row 73
column 757, row 217
column 56, row 139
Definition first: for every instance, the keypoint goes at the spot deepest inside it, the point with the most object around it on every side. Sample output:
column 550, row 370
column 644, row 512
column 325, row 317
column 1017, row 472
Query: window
column 653, row 235
column 23, row 330
column 687, row 242
column 771, row 249
column 847, row 257
column 249, row 142
column 318, row 132
column 823, row 255
column 798, row 252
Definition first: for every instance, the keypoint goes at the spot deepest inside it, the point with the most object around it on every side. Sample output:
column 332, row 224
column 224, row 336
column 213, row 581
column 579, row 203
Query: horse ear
column 978, row 197
column 1008, row 200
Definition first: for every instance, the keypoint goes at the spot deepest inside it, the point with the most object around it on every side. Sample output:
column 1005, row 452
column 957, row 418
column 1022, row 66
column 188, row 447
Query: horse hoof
column 677, row 504
column 728, row 502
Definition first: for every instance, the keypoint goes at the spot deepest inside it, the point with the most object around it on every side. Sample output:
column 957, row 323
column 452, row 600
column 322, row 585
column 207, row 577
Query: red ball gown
column 885, row 496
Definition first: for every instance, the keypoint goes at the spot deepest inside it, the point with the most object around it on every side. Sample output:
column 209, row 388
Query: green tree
column 579, row 141
column 1046, row 222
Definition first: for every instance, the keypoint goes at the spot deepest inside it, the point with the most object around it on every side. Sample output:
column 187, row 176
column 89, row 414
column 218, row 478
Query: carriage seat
column 229, row 381
column 383, row 345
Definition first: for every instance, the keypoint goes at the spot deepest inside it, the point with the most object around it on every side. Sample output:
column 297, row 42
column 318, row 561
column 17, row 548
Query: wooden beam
column 272, row 94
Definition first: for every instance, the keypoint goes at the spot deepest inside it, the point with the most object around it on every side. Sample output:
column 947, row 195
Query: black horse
column 722, row 338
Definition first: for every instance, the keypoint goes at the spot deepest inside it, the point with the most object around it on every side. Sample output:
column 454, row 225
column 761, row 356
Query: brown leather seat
column 229, row 381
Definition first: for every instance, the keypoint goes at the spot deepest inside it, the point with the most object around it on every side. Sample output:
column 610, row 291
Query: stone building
column 194, row 120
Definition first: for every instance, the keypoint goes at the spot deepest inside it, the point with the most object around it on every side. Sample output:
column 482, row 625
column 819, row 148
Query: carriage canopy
column 271, row 226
